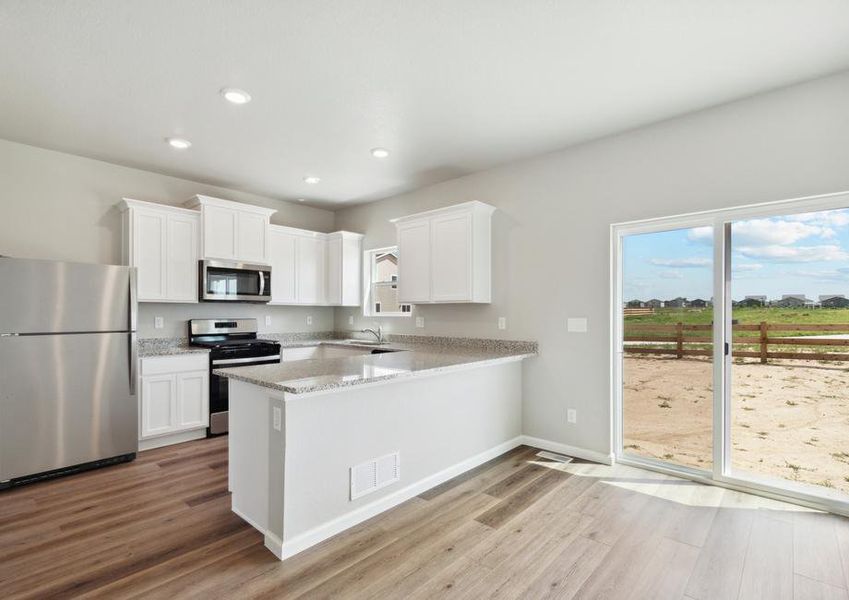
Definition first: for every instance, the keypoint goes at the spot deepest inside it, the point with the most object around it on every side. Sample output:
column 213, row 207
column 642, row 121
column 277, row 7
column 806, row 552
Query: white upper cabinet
column 283, row 258
column 232, row 230
column 414, row 270
column 344, row 268
column 312, row 268
column 445, row 255
column 162, row 243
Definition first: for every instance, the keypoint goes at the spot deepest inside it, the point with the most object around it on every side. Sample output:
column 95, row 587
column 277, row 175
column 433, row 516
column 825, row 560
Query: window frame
column 369, row 283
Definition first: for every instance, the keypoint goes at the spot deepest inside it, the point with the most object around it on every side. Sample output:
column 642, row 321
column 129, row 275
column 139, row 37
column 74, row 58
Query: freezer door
column 65, row 400
column 43, row 296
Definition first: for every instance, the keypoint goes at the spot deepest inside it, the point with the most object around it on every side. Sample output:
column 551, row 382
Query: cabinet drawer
column 155, row 365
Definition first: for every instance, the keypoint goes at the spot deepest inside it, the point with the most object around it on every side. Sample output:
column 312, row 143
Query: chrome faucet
column 378, row 334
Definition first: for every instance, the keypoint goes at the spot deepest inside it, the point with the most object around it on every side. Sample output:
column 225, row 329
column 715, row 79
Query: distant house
column 654, row 303
column 752, row 302
column 834, row 301
column 793, row 301
column 677, row 303
column 635, row 304
column 699, row 303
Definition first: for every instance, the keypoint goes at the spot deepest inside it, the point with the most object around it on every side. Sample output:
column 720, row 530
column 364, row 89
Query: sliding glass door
column 789, row 383
column 667, row 364
column 731, row 347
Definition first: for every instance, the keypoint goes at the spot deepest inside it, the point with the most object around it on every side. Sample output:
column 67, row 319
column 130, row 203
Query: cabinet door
column 352, row 274
column 308, row 270
column 193, row 400
column 182, row 258
column 149, row 247
column 414, row 261
column 250, row 237
column 158, row 405
column 334, row 271
column 282, row 255
column 219, row 232
column 451, row 257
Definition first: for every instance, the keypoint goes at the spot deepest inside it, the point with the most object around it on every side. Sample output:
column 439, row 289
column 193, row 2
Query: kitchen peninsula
column 320, row 444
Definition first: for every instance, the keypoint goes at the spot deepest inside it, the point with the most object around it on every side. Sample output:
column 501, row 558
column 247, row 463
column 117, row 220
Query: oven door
column 234, row 281
column 219, row 390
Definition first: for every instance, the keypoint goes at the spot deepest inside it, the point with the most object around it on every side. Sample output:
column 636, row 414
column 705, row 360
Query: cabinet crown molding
column 128, row 203
column 481, row 207
column 200, row 200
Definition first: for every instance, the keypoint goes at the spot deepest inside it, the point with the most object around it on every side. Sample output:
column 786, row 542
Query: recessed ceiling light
column 311, row 179
column 379, row 152
column 179, row 143
column 236, row 96
column 301, row 199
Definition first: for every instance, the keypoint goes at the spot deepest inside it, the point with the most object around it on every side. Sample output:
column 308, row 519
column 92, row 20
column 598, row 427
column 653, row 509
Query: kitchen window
column 381, row 274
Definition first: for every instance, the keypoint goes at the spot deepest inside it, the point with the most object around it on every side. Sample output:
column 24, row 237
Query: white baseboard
column 174, row 438
column 285, row 549
column 606, row 459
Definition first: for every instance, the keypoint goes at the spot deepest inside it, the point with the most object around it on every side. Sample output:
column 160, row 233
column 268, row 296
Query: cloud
column 828, row 218
column 671, row 275
column 794, row 254
column 701, row 235
column 756, row 232
column 747, row 267
column 685, row 263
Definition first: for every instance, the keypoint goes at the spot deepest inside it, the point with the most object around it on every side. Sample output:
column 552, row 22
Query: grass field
column 745, row 316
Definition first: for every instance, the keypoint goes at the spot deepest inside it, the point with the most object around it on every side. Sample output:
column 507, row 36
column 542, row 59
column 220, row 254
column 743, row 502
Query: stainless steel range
column 232, row 343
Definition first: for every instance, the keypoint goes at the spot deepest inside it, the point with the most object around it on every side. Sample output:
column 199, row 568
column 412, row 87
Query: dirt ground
column 790, row 419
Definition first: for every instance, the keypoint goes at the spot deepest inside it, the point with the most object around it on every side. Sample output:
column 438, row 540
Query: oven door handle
column 244, row 361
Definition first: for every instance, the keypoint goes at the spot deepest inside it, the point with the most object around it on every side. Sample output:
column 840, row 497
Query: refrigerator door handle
column 134, row 361
column 134, row 305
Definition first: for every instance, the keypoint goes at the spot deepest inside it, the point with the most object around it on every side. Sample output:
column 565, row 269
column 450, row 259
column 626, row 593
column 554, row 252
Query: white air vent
column 374, row 474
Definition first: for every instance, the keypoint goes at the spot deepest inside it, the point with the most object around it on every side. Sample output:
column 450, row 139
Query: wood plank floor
column 516, row 527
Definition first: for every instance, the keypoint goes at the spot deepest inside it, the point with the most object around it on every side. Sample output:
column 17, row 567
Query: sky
column 796, row 254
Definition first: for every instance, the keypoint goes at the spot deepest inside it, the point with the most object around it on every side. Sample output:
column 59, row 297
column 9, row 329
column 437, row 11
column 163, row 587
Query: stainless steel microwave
column 233, row 281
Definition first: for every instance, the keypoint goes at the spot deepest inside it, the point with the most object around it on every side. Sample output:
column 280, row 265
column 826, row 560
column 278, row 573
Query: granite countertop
column 167, row 347
column 410, row 358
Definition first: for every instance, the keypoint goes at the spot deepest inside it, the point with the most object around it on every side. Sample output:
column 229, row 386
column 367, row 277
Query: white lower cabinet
column 174, row 395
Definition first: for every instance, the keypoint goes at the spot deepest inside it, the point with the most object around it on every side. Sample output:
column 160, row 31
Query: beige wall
column 63, row 207
column 551, row 230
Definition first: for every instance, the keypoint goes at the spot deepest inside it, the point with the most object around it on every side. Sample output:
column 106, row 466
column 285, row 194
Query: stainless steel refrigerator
column 67, row 368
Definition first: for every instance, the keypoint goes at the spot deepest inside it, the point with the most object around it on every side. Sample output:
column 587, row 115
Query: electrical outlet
column 419, row 321
column 576, row 325
column 158, row 322
column 268, row 320
column 351, row 320
column 309, row 319
column 278, row 418
column 572, row 415
column 502, row 322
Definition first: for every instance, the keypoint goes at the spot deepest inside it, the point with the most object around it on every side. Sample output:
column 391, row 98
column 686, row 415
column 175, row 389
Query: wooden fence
column 761, row 335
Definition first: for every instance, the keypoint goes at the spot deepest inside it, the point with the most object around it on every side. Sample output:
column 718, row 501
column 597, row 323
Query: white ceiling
column 449, row 86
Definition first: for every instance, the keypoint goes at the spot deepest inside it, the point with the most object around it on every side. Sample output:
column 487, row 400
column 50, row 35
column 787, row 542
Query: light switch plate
column 576, row 324
column 502, row 322
column 571, row 415
column 351, row 320
column 158, row 322
column 309, row 319
column 268, row 320
column 419, row 321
